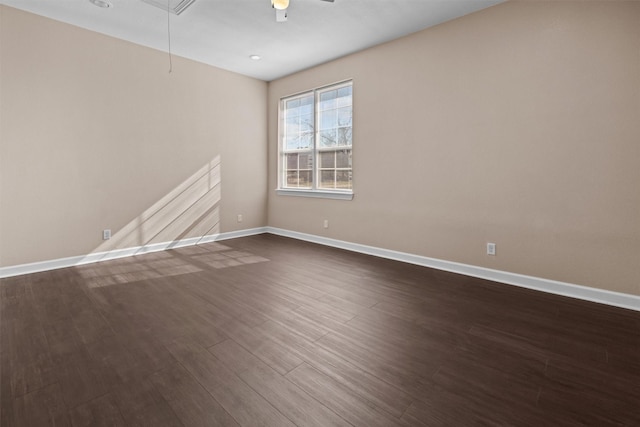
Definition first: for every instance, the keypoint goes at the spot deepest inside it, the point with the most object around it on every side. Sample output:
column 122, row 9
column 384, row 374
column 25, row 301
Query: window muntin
column 316, row 140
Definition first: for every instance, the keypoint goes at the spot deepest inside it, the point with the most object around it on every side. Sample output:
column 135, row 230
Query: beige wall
column 518, row 125
column 95, row 133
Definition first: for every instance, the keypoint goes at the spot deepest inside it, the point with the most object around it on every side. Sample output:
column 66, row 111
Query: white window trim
column 322, row 194
column 309, row 192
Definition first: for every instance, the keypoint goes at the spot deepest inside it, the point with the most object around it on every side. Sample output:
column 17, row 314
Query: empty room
column 319, row 213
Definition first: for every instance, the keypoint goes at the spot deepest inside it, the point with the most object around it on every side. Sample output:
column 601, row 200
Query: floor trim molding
column 602, row 296
column 36, row 267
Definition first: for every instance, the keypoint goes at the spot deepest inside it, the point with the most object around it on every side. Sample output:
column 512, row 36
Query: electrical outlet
column 239, row 217
column 326, row 223
column 106, row 234
column 491, row 248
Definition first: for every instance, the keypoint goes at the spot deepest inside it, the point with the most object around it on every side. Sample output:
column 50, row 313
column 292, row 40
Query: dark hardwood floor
column 270, row 331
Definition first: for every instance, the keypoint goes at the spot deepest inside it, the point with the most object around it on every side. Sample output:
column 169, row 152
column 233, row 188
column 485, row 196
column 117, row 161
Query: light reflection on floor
column 190, row 259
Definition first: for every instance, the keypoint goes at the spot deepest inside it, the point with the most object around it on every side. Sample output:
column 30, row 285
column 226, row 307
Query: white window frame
column 315, row 149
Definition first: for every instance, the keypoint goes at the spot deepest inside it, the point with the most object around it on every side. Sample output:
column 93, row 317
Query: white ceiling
column 224, row 33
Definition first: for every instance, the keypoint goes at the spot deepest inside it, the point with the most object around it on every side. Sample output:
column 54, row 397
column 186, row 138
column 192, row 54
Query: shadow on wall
column 190, row 209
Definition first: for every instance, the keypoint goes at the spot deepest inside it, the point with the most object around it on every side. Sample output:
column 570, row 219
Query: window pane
column 329, row 119
column 293, row 124
column 327, row 179
column 306, row 140
column 328, row 160
column 292, row 141
column 343, row 159
column 344, row 96
column 305, row 179
column 328, row 138
column 306, row 123
column 344, row 136
column 306, row 161
column 328, row 99
column 343, row 179
column 292, row 179
column 292, row 106
column 344, row 116
column 306, row 105
column 292, row 161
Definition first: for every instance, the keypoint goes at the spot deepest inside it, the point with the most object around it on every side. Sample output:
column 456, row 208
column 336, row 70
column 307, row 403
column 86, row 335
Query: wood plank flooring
column 269, row 331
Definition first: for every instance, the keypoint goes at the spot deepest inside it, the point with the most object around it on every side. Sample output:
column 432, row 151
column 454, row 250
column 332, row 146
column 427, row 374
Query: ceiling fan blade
column 330, row 1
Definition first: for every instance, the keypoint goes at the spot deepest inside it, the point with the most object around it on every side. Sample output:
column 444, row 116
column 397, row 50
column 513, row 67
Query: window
column 316, row 143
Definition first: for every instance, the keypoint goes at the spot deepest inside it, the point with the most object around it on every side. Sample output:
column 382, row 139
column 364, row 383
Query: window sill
column 336, row 195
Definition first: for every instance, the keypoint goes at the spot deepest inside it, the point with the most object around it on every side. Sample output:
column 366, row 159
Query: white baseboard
column 36, row 267
column 602, row 296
